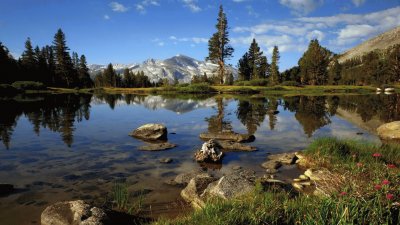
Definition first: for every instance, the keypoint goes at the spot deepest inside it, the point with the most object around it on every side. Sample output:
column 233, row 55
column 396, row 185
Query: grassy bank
column 279, row 90
column 368, row 192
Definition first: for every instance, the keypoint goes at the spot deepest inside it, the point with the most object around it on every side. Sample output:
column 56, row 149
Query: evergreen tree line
column 254, row 65
column 319, row 66
column 110, row 78
column 51, row 65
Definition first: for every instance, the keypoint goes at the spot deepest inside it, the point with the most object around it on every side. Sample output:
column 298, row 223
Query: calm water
column 67, row 146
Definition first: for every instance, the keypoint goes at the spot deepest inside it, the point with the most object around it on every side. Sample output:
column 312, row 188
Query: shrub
column 197, row 88
column 290, row 83
column 255, row 82
column 28, row 85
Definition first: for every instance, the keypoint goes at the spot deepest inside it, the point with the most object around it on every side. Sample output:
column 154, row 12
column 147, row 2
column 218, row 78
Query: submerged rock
column 150, row 132
column 209, row 152
column 389, row 131
column 6, row 189
column 73, row 212
column 166, row 160
column 229, row 136
column 285, row 158
column 157, row 146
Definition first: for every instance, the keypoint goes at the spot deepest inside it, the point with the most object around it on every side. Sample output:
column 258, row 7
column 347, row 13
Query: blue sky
column 126, row 31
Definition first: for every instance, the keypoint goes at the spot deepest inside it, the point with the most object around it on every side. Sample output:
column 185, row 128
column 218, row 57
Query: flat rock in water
column 285, row 158
column 389, row 131
column 271, row 165
column 229, row 186
column 150, row 132
column 235, row 146
column 73, row 212
column 157, row 147
column 228, row 136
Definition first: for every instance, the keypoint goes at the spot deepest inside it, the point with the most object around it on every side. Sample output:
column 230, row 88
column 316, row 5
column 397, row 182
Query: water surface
column 59, row 147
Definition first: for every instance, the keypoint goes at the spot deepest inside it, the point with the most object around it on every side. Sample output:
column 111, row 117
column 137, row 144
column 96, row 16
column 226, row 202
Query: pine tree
column 83, row 73
column 75, row 60
column 275, row 78
column 109, row 76
column 204, row 78
column 41, row 73
column 244, row 68
column 127, row 78
column 254, row 55
column 8, row 66
column 218, row 46
column 64, row 66
column 334, row 72
column 264, row 67
column 313, row 64
column 28, row 61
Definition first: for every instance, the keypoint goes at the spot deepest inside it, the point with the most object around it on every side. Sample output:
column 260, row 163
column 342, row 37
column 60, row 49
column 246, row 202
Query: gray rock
column 150, row 132
column 184, row 178
column 193, row 191
column 209, row 152
column 73, row 212
column 229, row 186
column 6, row 189
column 229, row 136
column 271, row 165
column 235, row 146
column 285, row 158
column 157, row 146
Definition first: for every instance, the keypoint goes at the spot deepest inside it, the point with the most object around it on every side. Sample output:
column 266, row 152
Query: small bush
column 6, row 89
column 28, row 85
column 290, row 83
column 182, row 85
column 256, row 82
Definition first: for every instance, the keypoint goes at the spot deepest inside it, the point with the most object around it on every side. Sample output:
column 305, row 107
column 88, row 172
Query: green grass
column 357, row 201
column 123, row 201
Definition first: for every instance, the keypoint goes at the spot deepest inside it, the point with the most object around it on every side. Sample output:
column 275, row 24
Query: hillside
column 381, row 41
column 181, row 67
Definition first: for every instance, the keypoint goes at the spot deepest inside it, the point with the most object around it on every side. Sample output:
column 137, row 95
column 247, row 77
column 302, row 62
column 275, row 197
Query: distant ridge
column 179, row 67
column 382, row 41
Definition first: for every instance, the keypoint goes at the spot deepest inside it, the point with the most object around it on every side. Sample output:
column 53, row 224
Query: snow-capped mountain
column 181, row 67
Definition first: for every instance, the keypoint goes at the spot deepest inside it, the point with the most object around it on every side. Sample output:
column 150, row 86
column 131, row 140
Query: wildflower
column 343, row 193
column 389, row 196
column 377, row 155
column 391, row 166
column 385, row 182
column 378, row 187
column 359, row 164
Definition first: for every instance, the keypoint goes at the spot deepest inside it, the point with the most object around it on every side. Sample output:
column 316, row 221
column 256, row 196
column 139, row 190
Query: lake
column 57, row 147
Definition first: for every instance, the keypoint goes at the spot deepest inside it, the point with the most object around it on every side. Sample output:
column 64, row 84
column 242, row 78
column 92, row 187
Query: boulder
column 73, row 212
column 209, row 152
column 317, row 175
column 389, row 131
column 229, row 186
column 150, row 132
column 228, row 136
column 193, row 191
column 271, row 165
column 157, row 146
column 184, row 178
column 6, row 189
column 285, row 158
column 235, row 146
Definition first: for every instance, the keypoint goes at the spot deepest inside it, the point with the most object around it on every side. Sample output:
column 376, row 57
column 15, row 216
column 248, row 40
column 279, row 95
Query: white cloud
column 240, row 0
column 118, row 7
column 106, row 17
column 315, row 34
column 192, row 5
column 196, row 40
column 141, row 7
column 358, row 3
column 161, row 43
column 301, row 7
column 251, row 11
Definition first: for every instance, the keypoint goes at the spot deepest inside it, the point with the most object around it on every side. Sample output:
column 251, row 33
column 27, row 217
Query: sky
column 131, row 31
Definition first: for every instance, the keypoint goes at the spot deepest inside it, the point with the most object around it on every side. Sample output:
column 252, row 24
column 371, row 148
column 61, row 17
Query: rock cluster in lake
column 209, row 152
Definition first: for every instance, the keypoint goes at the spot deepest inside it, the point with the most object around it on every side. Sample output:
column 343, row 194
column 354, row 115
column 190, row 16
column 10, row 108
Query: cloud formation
column 142, row 6
column 192, row 5
column 118, row 7
column 301, row 7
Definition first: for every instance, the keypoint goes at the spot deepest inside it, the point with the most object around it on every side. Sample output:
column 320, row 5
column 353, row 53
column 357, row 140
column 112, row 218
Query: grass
column 369, row 195
column 123, row 201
